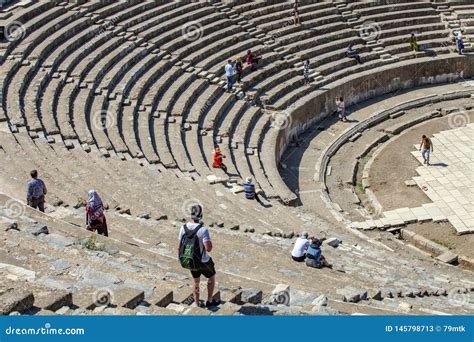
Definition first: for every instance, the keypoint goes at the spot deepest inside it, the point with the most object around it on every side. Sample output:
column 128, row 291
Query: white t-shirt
column 202, row 235
column 229, row 70
column 301, row 245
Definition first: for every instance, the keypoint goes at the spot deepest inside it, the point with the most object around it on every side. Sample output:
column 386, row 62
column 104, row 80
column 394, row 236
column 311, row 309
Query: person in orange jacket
column 218, row 156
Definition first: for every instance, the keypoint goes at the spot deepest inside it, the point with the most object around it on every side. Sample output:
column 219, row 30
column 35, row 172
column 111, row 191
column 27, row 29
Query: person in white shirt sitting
column 301, row 245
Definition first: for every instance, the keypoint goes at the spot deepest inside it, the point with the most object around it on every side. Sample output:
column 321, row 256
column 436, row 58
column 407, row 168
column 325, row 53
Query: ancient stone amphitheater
column 129, row 98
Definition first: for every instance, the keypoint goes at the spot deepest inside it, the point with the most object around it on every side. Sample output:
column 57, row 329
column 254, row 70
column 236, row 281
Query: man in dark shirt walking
column 35, row 192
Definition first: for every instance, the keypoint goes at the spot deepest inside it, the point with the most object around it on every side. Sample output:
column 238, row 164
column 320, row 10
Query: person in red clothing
column 252, row 60
column 218, row 156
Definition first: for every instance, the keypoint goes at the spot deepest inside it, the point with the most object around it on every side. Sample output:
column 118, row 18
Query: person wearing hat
column 314, row 257
column 206, row 268
column 249, row 190
column 299, row 250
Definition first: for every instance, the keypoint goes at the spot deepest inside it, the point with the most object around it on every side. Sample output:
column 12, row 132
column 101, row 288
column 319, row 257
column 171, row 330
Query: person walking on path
column 95, row 217
column 204, row 265
column 229, row 72
column 341, row 108
column 460, row 42
column 35, row 192
column 414, row 43
column 296, row 14
column 306, row 73
column 426, row 146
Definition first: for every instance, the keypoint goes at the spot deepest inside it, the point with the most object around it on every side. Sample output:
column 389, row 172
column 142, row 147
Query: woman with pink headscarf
column 95, row 217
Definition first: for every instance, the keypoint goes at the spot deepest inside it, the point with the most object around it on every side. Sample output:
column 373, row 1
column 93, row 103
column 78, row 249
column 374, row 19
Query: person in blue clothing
column 314, row 257
column 249, row 190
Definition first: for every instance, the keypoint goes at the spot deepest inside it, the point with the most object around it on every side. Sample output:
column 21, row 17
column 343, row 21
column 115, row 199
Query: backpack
column 190, row 253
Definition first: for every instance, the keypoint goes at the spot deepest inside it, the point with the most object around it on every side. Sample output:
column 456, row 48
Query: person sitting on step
column 314, row 257
column 217, row 160
column 95, row 217
column 351, row 53
column 299, row 250
column 249, row 190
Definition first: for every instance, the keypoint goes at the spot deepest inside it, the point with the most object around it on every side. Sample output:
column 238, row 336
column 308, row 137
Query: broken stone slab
column 60, row 265
column 253, row 296
column 374, row 294
column 231, row 296
column 228, row 309
column 58, row 241
column 145, row 216
column 124, row 211
column 53, row 300
column 17, row 272
column 183, row 295
column 12, row 226
column 89, row 298
column 127, row 297
column 321, row 300
column 352, row 294
column 410, row 182
column 38, row 229
column 448, row 257
column 333, row 242
column 161, row 298
column 19, row 300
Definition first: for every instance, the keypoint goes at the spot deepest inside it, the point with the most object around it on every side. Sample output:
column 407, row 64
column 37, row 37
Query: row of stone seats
column 136, row 124
column 114, row 261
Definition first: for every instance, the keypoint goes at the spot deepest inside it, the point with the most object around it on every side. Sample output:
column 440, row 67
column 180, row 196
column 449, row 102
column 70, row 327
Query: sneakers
column 213, row 303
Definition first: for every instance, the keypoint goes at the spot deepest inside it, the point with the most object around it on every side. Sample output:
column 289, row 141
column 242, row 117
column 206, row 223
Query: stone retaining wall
column 371, row 84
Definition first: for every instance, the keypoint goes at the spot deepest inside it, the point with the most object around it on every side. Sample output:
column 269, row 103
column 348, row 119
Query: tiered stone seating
column 162, row 95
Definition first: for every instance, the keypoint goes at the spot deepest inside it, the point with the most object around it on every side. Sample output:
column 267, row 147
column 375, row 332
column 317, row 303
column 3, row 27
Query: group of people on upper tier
column 235, row 68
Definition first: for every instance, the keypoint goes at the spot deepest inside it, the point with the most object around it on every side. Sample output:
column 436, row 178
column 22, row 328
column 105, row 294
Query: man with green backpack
column 193, row 248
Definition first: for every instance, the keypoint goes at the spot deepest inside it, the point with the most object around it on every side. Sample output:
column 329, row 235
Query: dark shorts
column 207, row 269
column 299, row 259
